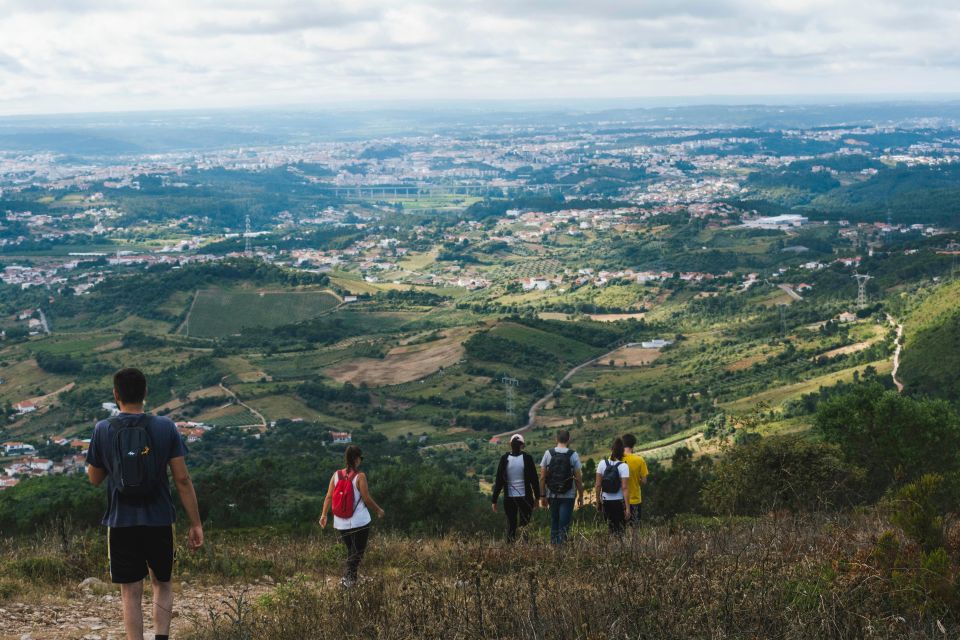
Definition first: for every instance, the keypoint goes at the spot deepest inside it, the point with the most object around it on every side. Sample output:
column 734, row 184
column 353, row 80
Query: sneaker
column 347, row 582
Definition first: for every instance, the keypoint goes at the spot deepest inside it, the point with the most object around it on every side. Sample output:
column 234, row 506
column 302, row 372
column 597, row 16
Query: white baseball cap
column 517, row 436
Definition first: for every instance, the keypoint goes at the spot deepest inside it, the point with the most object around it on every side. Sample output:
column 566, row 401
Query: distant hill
column 931, row 355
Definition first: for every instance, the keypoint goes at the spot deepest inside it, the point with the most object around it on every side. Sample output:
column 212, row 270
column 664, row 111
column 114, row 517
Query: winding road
column 535, row 409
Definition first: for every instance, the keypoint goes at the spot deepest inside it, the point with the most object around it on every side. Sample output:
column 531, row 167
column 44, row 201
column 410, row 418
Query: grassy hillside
column 931, row 354
column 219, row 312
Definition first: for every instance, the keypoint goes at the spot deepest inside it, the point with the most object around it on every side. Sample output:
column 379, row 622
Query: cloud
column 102, row 54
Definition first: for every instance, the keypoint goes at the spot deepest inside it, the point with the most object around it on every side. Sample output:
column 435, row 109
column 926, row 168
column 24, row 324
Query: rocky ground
column 92, row 611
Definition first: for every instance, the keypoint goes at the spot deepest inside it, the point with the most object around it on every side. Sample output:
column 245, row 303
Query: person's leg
column 160, row 550
column 131, row 595
column 525, row 509
column 360, row 538
column 555, row 521
column 128, row 568
column 162, row 606
column 635, row 512
column 349, row 541
column 565, row 515
column 511, row 508
column 617, row 517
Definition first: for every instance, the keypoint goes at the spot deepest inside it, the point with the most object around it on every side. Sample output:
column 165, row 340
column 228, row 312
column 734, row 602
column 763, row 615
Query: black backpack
column 134, row 472
column 560, row 471
column 610, row 481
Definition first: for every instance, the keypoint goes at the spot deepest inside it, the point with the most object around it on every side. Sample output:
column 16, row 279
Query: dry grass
column 405, row 363
column 777, row 577
column 630, row 357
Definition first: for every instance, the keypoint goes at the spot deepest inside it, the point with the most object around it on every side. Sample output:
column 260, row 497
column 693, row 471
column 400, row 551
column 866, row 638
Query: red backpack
column 343, row 494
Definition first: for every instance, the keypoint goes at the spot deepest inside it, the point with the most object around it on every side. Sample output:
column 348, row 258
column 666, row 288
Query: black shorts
column 133, row 549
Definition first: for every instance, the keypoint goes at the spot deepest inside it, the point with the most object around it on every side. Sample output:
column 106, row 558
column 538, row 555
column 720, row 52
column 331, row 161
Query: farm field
column 405, row 363
column 220, row 312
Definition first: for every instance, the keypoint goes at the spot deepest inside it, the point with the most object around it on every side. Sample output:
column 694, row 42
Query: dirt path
column 263, row 421
column 896, row 353
column 535, row 409
column 83, row 614
column 790, row 292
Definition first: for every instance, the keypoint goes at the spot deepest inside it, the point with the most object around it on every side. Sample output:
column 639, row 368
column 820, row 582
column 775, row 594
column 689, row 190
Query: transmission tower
column 954, row 249
column 510, row 392
column 783, row 320
column 862, row 289
column 248, row 248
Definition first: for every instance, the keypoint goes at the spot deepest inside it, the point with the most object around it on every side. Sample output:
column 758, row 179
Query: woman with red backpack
column 349, row 496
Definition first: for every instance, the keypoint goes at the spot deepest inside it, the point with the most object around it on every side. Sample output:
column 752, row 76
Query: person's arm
column 530, row 468
column 95, row 469
column 188, row 498
column 96, row 475
column 578, row 479
column 326, row 503
column 544, row 500
column 499, row 481
column 597, row 493
column 626, row 496
column 366, row 497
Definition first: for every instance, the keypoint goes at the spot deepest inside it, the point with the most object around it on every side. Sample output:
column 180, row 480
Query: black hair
column 616, row 449
column 630, row 441
column 352, row 456
column 563, row 436
column 515, row 446
column 130, row 385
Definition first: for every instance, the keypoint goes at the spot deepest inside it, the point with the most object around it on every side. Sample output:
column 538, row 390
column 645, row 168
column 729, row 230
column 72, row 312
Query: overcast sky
column 77, row 55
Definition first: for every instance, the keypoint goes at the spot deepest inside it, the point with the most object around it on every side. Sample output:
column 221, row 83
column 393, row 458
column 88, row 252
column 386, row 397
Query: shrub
column 780, row 472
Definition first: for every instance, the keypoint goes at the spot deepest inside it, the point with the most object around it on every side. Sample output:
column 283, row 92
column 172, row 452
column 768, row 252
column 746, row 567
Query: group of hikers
column 559, row 483
column 133, row 451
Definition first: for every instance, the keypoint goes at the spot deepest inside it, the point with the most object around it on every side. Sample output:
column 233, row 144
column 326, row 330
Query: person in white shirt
column 517, row 479
column 355, row 530
column 611, row 489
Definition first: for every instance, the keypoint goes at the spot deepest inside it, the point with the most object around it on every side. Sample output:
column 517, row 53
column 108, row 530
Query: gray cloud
column 115, row 55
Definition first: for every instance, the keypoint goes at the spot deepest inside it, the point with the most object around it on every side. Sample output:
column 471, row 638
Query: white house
column 25, row 407
column 659, row 343
column 18, row 449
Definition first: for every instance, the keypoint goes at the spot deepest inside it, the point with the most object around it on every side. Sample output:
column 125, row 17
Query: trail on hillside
column 896, row 352
column 263, row 421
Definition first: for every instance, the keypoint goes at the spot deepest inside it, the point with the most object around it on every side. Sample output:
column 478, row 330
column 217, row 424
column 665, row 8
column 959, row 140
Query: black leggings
column 516, row 509
column 613, row 512
column 355, row 540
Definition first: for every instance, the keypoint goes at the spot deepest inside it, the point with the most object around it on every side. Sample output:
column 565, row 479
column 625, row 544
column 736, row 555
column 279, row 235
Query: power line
column 248, row 248
column 862, row 289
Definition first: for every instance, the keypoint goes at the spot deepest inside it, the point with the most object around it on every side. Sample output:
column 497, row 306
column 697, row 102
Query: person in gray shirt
column 561, row 483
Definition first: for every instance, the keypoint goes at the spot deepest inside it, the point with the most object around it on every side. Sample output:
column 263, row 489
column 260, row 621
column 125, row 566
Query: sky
column 61, row 56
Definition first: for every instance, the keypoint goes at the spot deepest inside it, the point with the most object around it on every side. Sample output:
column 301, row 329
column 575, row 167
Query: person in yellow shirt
column 638, row 477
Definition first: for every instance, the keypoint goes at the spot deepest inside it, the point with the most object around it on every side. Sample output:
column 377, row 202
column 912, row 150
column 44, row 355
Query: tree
column 894, row 437
column 781, row 472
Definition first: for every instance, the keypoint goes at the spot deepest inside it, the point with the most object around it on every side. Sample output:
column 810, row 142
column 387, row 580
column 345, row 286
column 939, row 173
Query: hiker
column 611, row 488
column 560, row 483
column 349, row 496
column 638, row 478
column 132, row 452
column 517, row 478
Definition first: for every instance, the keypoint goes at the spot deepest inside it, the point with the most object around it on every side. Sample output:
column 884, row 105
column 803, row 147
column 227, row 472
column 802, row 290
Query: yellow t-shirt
column 638, row 470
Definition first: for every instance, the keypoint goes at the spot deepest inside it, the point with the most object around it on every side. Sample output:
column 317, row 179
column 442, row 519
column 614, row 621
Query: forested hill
column 931, row 355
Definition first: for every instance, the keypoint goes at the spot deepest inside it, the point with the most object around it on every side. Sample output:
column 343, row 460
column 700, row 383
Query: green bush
column 43, row 569
column 781, row 472
column 893, row 437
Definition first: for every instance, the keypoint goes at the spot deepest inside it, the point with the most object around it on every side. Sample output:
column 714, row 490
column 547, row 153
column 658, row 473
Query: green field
column 220, row 312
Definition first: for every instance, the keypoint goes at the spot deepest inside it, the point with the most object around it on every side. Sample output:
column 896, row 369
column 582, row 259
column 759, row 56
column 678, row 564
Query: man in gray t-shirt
column 140, row 527
column 561, row 482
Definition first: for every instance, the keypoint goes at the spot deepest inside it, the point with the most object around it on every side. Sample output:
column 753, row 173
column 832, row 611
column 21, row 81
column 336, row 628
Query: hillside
column 931, row 354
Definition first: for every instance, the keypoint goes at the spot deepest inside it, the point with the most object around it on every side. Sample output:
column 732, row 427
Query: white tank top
column 360, row 517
